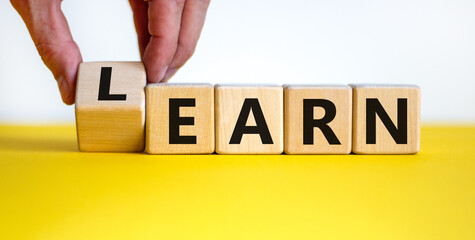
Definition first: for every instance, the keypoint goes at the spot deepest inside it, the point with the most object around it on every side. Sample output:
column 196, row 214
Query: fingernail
column 169, row 74
column 63, row 87
column 162, row 73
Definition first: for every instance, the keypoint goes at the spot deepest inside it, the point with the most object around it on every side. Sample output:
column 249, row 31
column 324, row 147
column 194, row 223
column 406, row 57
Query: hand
column 167, row 30
column 168, row 34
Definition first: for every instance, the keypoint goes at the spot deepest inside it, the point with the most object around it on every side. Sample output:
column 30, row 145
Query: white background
column 430, row 43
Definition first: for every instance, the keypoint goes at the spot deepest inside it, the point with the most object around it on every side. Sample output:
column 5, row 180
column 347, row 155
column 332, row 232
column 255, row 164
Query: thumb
column 63, row 59
column 50, row 33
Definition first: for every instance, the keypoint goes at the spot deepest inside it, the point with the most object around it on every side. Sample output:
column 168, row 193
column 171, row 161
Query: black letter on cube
column 309, row 122
column 261, row 126
column 105, row 86
column 373, row 108
column 175, row 120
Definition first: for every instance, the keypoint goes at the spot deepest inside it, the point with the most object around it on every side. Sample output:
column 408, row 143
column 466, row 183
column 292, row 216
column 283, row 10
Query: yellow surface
column 49, row 190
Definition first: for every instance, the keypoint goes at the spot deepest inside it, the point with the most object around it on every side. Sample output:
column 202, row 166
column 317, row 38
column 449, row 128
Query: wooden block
column 180, row 118
column 249, row 119
column 386, row 119
column 110, row 106
column 317, row 119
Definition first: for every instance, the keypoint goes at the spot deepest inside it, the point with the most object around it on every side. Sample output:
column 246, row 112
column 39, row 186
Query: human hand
column 167, row 30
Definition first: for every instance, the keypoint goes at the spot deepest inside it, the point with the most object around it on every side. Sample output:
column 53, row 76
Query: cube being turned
column 180, row 118
column 249, row 119
column 386, row 119
column 110, row 106
column 317, row 119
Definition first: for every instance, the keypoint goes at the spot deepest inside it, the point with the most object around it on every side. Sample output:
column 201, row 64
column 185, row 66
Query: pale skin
column 167, row 31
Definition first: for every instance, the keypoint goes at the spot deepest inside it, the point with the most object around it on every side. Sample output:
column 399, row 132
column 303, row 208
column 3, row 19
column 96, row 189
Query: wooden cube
column 249, row 119
column 317, row 119
column 180, row 118
column 386, row 119
column 110, row 106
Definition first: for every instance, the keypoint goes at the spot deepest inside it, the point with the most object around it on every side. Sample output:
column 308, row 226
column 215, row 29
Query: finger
column 164, row 18
column 192, row 21
column 50, row 32
column 140, row 11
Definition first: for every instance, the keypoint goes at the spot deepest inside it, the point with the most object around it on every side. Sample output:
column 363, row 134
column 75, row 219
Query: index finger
column 164, row 28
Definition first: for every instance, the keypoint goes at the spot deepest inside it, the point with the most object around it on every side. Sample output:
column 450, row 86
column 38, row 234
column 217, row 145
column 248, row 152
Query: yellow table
column 49, row 190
